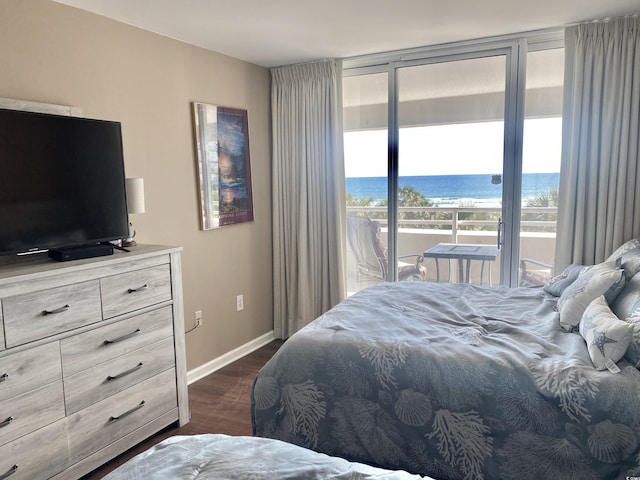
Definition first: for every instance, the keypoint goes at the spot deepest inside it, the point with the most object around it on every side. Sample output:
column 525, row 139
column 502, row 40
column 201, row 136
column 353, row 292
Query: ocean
column 454, row 189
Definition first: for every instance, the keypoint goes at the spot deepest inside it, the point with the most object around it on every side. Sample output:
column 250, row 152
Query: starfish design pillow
column 600, row 339
column 607, row 336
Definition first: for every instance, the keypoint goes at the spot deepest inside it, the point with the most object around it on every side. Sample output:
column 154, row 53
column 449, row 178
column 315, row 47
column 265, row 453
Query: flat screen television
column 62, row 182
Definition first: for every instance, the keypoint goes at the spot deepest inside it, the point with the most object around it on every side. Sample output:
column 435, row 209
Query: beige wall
column 57, row 54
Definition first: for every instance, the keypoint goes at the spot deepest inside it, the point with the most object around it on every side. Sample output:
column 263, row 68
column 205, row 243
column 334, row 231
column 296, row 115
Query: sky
column 458, row 149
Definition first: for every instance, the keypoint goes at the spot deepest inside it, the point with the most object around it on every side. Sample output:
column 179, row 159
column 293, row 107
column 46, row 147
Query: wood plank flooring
column 219, row 403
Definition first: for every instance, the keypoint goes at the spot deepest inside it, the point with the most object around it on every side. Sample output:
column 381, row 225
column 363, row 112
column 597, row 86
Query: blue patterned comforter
column 452, row 381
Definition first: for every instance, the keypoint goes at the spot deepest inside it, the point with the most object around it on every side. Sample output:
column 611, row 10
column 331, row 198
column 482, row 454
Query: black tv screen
column 62, row 182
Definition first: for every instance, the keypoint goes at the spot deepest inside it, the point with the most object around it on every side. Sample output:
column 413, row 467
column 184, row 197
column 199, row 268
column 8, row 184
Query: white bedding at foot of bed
column 216, row 456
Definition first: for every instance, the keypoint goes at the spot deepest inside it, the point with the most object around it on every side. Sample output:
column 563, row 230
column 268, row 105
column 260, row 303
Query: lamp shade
column 135, row 195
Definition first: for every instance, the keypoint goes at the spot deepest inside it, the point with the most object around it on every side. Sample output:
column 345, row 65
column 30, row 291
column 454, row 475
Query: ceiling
column 282, row 32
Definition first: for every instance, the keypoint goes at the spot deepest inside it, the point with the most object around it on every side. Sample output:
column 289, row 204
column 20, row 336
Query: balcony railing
column 449, row 218
column 477, row 225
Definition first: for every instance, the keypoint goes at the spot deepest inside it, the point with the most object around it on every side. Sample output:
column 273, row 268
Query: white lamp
column 135, row 204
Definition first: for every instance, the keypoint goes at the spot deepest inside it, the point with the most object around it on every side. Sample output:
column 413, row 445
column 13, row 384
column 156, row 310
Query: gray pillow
column 627, row 303
column 627, row 307
column 633, row 351
column 601, row 279
column 560, row 282
column 628, row 255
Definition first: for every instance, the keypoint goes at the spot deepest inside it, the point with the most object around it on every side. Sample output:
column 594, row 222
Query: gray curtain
column 308, row 193
column 599, row 193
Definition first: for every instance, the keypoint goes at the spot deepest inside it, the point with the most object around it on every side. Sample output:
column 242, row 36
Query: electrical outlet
column 239, row 303
column 198, row 318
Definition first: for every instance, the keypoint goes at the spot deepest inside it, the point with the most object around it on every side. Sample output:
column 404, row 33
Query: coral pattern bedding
column 456, row 381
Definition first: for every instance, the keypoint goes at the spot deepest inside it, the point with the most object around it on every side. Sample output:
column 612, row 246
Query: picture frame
column 224, row 166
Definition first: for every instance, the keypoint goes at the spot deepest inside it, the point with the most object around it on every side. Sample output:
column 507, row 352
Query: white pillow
column 602, row 279
column 607, row 336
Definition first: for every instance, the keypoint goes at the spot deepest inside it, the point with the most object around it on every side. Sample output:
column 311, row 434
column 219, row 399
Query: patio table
column 462, row 252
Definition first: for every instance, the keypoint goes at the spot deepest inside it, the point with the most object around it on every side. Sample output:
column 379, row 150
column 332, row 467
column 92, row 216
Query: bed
column 224, row 457
column 457, row 381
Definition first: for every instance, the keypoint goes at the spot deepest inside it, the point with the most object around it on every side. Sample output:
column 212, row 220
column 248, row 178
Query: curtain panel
column 599, row 196
column 308, row 193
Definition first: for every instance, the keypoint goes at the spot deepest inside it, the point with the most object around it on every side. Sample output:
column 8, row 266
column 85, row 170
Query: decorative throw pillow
column 560, row 282
column 626, row 306
column 627, row 303
column 633, row 351
column 607, row 336
column 628, row 255
column 602, row 279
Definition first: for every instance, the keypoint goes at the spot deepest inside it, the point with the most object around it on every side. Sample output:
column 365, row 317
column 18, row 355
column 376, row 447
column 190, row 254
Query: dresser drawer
column 134, row 290
column 30, row 411
column 105, row 379
column 41, row 314
column 98, row 425
column 40, row 454
column 25, row 371
column 83, row 351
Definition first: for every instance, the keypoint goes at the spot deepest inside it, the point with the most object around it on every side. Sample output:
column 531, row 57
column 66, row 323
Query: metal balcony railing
column 459, row 225
column 449, row 218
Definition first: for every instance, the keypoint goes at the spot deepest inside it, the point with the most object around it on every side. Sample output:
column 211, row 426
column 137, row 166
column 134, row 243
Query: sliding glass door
column 443, row 151
column 450, row 161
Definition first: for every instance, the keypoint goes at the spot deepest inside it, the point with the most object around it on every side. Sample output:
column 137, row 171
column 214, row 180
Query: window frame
column 515, row 48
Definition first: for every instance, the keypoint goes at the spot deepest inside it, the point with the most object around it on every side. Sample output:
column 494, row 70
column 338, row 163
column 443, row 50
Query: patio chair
column 534, row 277
column 363, row 235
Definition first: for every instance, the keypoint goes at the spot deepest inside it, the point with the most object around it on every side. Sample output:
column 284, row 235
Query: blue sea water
column 453, row 189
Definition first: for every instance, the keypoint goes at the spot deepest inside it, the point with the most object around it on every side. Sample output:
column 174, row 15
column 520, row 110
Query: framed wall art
column 224, row 167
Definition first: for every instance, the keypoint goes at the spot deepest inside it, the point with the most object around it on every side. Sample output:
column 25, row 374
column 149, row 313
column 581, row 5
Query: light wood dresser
column 92, row 359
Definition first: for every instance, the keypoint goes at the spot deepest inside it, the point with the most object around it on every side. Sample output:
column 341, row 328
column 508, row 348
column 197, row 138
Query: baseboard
column 229, row 357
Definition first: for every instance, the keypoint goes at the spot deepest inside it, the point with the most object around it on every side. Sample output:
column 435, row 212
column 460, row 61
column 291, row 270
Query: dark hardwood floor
column 219, row 403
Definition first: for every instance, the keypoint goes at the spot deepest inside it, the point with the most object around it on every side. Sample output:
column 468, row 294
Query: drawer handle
column 134, row 290
column 125, row 373
column 124, row 337
column 4, row 377
column 128, row 412
column 57, row 310
column 8, row 421
column 10, row 472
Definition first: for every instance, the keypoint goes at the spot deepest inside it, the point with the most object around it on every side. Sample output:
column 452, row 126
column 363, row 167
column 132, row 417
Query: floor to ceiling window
column 453, row 146
column 366, row 167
